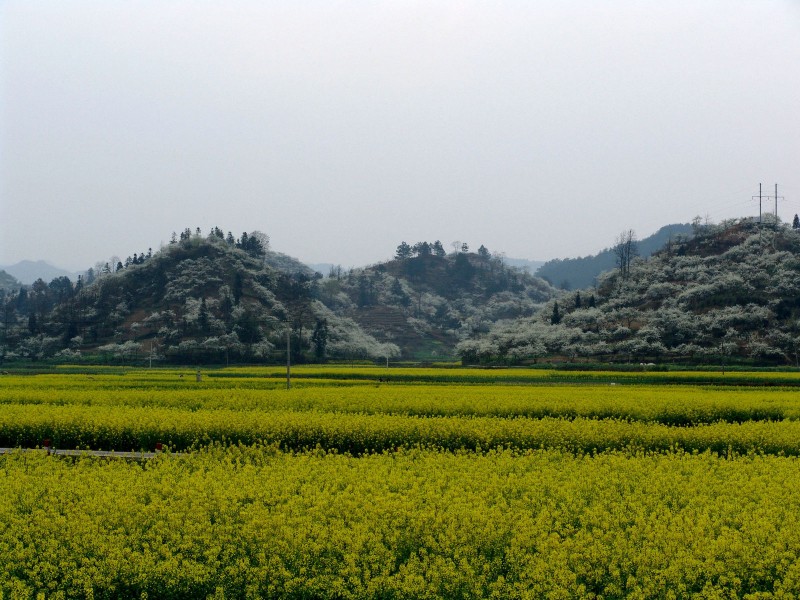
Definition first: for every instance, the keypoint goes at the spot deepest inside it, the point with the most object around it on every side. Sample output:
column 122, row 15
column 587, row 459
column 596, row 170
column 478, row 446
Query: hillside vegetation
column 214, row 298
column 730, row 294
column 200, row 299
column 426, row 301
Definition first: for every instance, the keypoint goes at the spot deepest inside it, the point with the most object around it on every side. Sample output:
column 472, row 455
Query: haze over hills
column 28, row 271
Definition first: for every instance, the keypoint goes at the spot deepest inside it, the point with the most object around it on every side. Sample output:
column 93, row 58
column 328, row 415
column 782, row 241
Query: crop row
column 253, row 523
column 133, row 428
column 642, row 375
column 676, row 405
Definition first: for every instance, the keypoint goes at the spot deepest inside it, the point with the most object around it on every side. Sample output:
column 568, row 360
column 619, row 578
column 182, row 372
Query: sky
column 341, row 128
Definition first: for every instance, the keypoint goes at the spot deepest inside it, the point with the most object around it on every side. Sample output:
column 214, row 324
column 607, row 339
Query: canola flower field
column 396, row 484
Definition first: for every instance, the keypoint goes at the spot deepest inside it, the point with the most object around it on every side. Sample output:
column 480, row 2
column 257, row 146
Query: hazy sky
column 340, row 128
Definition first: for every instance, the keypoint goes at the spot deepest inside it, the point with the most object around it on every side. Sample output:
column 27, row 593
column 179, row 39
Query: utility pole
column 759, row 203
column 288, row 356
column 761, row 197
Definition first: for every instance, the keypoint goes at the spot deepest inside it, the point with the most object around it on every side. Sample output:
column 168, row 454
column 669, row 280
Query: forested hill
column 215, row 298
column 199, row 299
column 426, row 300
column 730, row 294
column 8, row 282
column 580, row 273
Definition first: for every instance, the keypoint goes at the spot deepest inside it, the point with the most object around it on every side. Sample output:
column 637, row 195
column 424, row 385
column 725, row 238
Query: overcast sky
column 341, row 128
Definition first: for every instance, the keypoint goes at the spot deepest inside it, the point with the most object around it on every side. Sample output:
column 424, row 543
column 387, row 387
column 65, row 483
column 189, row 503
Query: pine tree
column 404, row 251
column 202, row 317
column 555, row 319
column 796, row 222
column 320, row 338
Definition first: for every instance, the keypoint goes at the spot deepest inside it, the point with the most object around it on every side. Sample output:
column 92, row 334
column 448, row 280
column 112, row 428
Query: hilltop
column 731, row 293
column 426, row 301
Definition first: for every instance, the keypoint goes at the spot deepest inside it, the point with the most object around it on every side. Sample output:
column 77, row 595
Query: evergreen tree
column 202, row 317
column 319, row 337
column 555, row 318
column 591, row 301
column 483, row 252
column 577, row 299
column 404, row 251
column 422, row 249
column 238, row 287
column 796, row 222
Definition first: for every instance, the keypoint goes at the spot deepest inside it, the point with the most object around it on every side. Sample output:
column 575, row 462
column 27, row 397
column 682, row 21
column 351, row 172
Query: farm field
column 372, row 483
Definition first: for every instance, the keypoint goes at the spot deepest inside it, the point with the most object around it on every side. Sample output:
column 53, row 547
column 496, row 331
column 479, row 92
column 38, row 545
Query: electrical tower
column 761, row 198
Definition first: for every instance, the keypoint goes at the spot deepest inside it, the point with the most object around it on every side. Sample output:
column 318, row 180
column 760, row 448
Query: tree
column 262, row 238
column 555, row 318
column 577, row 299
column 483, row 252
column 422, row 249
column 404, row 251
column 319, row 338
column 796, row 222
column 202, row 317
column 625, row 250
column 438, row 249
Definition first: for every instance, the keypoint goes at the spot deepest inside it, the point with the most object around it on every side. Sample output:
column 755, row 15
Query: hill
column 729, row 294
column 219, row 299
column 200, row 299
column 581, row 273
column 426, row 301
column 8, row 283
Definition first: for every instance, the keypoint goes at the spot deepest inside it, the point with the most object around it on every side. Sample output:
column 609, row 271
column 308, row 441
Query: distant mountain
column 324, row 268
column 531, row 266
column 287, row 264
column 28, row 271
column 580, row 273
